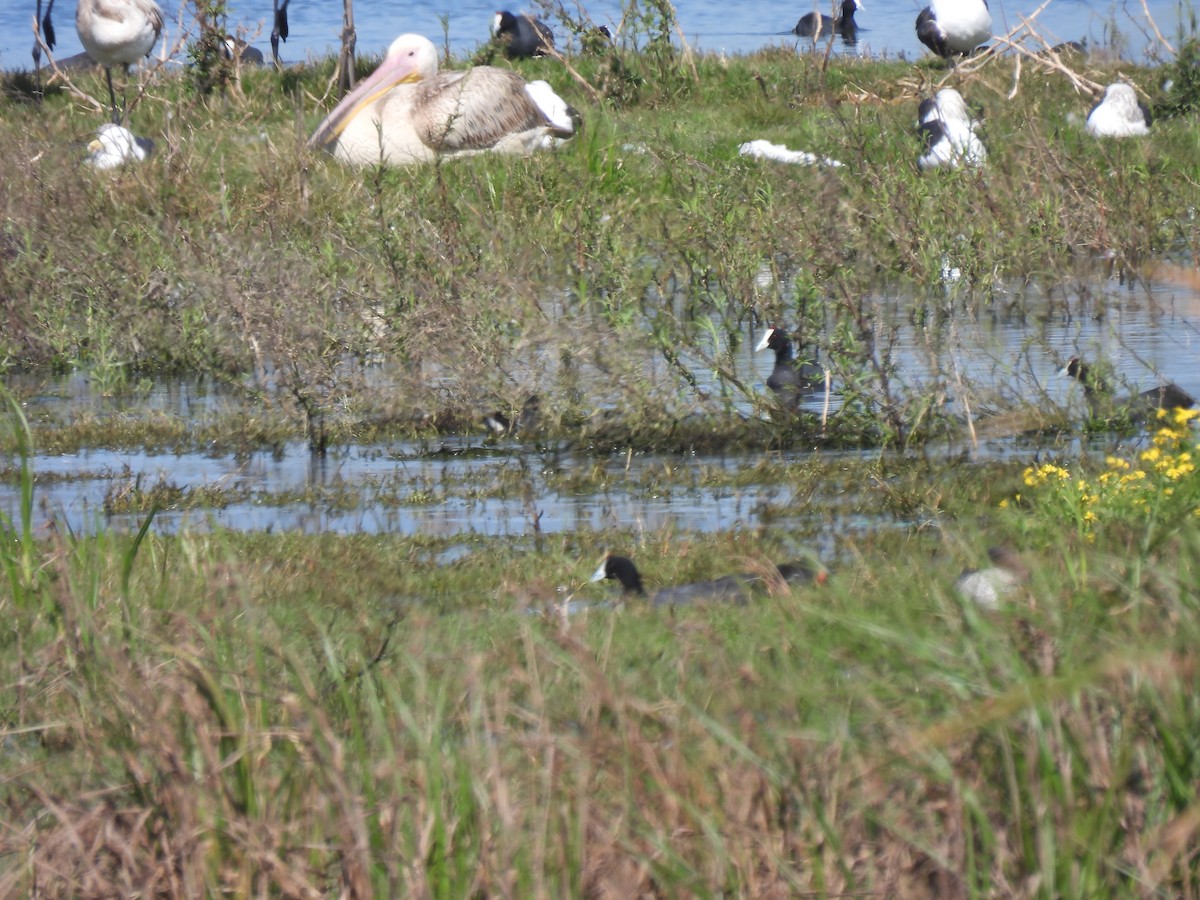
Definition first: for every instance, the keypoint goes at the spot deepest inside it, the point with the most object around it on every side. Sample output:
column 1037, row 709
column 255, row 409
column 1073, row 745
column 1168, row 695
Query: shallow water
column 469, row 485
column 886, row 28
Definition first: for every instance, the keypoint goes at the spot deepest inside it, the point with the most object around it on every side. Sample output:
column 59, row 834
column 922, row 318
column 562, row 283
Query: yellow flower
column 1004, row 503
column 1183, row 416
column 1151, row 455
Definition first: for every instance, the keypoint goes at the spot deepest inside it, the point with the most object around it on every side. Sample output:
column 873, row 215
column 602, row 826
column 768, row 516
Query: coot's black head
column 1081, row 372
column 776, row 339
column 622, row 569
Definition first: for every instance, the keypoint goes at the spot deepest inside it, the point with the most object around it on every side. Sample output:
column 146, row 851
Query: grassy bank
column 619, row 274
column 287, row 715
column 373, row 716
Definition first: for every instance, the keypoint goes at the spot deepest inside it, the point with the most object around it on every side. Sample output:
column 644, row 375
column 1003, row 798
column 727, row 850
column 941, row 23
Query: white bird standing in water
column 407, row 112
column 1119, row 114
column 118, row 32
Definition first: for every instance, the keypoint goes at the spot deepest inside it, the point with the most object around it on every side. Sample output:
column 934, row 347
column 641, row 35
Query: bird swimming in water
column 954, row 27
column 1119, row 113
column 819, row 25
column 523, row 36
column 500, row 423
column 949, row 132
column 790, row 378
column 407, row 112
column 118, row 32
column 1100, row 393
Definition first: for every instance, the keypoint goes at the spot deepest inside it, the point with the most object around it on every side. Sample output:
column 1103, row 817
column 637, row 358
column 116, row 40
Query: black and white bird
column 738, row 589
column 950, row 139
column 954, row 27
column 790, row 378
column 522, row 35
column 118, row 33
column 815, row 24
column 1119, row 113
column 1099, row 392
column 115, row 145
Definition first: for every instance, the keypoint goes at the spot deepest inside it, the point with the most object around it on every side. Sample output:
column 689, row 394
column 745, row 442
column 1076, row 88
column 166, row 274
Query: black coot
column 1099, row 392
column 790, row 377
column 728, row 589
column 818, row 25
column 524, row 36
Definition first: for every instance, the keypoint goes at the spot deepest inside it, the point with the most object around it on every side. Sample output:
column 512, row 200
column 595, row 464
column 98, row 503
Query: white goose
column 407, row 112
column 118, row 32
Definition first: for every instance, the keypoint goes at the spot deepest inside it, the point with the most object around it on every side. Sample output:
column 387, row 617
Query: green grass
column 199, row 714
column 278, row 714
column 238, row 253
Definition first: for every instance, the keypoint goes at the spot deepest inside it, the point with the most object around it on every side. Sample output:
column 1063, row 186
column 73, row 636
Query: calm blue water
column 708, row 25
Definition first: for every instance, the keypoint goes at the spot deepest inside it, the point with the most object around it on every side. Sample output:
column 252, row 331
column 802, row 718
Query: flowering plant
column 1154, row 492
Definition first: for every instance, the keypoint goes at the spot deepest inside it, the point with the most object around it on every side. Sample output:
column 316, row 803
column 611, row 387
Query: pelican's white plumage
column 114, row 146
column 950, row 138
column 118, row 33
column 1119, row 114
column 407, row 112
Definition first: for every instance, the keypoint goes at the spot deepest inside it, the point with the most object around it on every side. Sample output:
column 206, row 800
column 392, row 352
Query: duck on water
column 817, row 25
column 790, row 378
column 1100, row 394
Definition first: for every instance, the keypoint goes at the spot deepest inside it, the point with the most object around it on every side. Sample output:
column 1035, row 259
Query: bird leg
column 346, row 72
column 47, row 34
column 112, row 96
column 280, row 29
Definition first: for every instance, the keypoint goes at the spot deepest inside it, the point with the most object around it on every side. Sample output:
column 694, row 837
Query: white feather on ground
column 761, row 149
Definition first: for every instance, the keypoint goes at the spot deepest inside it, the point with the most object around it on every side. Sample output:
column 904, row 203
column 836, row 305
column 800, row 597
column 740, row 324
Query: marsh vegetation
column 301, row 715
